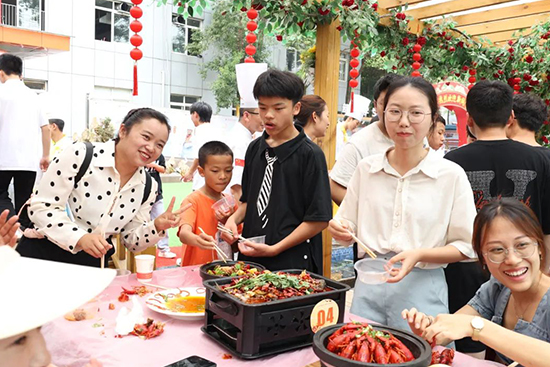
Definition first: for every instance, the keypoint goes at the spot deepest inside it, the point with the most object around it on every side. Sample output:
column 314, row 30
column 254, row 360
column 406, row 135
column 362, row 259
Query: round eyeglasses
column 415, row 116
column 523, row 250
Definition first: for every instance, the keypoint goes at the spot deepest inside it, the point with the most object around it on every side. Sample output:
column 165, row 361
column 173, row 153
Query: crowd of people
column 465, row 235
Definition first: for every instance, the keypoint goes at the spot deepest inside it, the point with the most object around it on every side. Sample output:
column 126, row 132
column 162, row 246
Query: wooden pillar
column 327, row 67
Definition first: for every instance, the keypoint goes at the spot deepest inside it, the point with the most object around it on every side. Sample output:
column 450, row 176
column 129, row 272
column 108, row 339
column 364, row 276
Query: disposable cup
column 224, row 205
column 257, row 239
column 373, row 271
column 144, row 267
column 172, row 278
column 122, row 274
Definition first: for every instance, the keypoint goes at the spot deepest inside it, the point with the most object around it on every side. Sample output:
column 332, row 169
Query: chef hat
column 38, row 291
column 360, row 107
column 247, row 74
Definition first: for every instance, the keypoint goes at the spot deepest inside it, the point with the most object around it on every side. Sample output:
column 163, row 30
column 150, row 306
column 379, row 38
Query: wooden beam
column 415, row 26
column 504, row 25
column 501, row 13
column 327, row 66
column 386, row 4
column 450, row 7
column 503, row 36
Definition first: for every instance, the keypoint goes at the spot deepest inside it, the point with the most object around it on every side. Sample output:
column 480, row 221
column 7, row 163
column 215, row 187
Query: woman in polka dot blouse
column 74, row 222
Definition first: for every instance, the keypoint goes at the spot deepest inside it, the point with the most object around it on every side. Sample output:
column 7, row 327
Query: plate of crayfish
column 360, row 344
column 186, row 303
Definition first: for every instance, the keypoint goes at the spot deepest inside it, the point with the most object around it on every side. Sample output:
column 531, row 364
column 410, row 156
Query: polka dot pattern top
column 64, row 213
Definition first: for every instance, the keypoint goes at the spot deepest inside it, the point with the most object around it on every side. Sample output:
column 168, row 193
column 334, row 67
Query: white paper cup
column 144, row 267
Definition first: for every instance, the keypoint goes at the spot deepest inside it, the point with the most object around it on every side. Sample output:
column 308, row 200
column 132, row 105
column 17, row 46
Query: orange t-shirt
column 200, row 214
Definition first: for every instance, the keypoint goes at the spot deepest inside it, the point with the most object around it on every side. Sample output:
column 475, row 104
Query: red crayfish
column 444, row 357
column 148, row 330
column 126, row 293
column 360, row 342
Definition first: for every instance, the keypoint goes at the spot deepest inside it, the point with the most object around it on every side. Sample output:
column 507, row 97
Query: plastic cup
column 172, row 278
column 373, row 271
column 123, row 274
column 224, row 205
column 144, row 267
column 257, row 239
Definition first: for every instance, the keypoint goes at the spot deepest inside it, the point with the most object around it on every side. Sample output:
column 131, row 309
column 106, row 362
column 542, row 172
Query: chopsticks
column 218, row 250
column 228, row 231
column 513, row 364
column 360, row 243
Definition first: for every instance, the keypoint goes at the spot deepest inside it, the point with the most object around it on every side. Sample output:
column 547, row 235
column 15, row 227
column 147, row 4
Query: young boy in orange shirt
column 216, row 166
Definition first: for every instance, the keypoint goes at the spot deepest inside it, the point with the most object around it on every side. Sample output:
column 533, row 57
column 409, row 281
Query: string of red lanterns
column 135, row 26
column 354, row 72
column 472, row 79
column 251, row 37
column 416, row 57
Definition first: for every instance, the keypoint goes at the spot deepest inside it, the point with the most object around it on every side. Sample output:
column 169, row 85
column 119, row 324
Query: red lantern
column 136, row 26
column 136, row 54
column 417, row 59
column 250, row 50
column 416, row 65
column 417, row 56
column 249, row 59
column 354, row 73
column 354, row 63
column 417, row 47
column 252, row 13
column 416, row 73
column 136, row 12
column 353, row 84
column 136, row 40
column 252, row 26
column 354, row 52
column 251, row 38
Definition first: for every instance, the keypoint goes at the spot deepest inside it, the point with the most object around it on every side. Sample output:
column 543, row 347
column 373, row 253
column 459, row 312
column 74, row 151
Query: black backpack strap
column 86, row 163
column 148, row 184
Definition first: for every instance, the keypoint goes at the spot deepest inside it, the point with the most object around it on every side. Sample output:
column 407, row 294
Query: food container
column 420, row 349
column 210, row 266
column 373, row 271
column 257, row 239
column 123, row 274
column 251, row 331
column 171, row 278
column 226, row 204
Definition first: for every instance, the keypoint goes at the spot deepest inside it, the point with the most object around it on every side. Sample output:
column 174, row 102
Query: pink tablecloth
column 72, row 344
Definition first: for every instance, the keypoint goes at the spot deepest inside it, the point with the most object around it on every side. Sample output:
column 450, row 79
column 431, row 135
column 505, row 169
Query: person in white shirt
column 59, row 140
column 373, row 139
column 436, row 137
column 410, row 208
column 313, row 116
column 201, row 113
column 22, row 128
column 250, row 122
column 75, row 212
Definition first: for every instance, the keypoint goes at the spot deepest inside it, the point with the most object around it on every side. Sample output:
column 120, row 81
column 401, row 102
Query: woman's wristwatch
column 477, row 324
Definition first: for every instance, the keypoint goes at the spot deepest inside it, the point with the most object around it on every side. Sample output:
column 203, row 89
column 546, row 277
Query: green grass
column 180, row 190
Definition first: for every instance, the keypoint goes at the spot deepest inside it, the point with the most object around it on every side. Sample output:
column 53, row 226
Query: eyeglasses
column 414, row 116
column 253, row 113
column 523, row 250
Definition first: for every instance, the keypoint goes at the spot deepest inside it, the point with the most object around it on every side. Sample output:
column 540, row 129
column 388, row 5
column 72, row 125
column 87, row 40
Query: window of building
column 182, row 32
column 181, row 102
column 293, row 61
column 343, row 73
column 37, row 85
column 112, row 21
column 27, row 14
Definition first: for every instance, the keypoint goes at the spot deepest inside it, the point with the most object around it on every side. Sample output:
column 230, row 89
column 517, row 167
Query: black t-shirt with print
column 300, row 192
column 507, row 168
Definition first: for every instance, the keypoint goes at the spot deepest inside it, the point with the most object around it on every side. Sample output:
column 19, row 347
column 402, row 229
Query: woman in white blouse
column 410, row 207
column 74, row 221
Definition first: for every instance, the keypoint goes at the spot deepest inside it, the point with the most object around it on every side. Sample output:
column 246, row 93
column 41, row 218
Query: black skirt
column 44, row 249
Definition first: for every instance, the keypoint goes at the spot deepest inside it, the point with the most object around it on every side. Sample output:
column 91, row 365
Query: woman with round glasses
column 511, row 312
column 411, row 207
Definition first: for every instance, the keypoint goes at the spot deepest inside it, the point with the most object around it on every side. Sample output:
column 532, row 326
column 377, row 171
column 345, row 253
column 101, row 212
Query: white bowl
column 156, row 302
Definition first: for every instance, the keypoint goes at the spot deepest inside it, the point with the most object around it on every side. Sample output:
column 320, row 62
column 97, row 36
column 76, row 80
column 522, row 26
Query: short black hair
column 489, row 103
column 383, row 84
column 276, row 83
column 419, row 83
column 11, row 64
column 249, row 110
column 137, row 115
column 530, row 111
column 203, row 109
column 60, row 123
column 441, row 119
column 213, row 148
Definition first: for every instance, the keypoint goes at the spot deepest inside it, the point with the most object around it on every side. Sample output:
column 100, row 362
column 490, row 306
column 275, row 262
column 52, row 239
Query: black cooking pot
column 210, row 266
column 420, row 349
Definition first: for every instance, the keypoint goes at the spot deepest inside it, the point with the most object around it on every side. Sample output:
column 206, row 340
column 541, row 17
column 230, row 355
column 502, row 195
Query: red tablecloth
column 72, row 344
